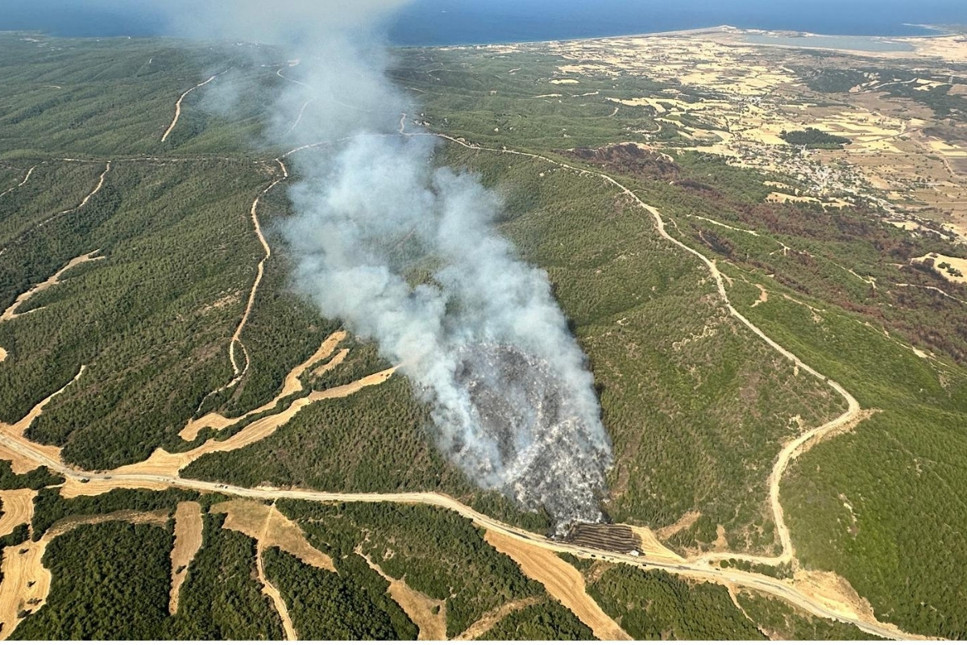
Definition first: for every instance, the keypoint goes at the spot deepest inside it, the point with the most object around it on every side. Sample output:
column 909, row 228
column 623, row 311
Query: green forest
column 697, row 406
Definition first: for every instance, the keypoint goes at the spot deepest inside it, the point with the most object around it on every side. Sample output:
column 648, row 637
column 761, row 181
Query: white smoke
column 483, row 339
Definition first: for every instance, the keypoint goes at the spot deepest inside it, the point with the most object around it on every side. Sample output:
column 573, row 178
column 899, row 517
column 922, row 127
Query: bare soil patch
column 652, row 547
column 272, row 529
column 26, row 582
column 950, row 268
column 685, row 522
column 25, row 585
column 491, row 618
column 429, row 614
column 188, row 538
column 562, row 581
column 18, row 508
column 833, row 592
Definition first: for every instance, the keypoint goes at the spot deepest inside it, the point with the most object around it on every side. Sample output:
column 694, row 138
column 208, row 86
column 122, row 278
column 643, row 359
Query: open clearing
column 429, row 614
column 25, row 584
column 272, row 529
column 950, row 268
column 292, row 384
column 161, row 471
column 164, row 463
column 18, row 508
column 562, row 581
column 189, row 526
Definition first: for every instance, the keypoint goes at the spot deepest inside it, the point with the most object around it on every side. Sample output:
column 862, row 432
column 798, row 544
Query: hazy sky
column 433, row 21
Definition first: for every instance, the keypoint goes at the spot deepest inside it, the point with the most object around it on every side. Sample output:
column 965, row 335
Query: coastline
column 908, row 45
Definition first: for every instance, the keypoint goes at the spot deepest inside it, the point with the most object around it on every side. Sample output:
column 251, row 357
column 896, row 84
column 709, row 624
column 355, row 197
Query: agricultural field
column 758, row 249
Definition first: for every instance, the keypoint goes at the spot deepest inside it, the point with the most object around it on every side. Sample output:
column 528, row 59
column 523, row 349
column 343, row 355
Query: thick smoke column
column 513, row 404
column 483, row 339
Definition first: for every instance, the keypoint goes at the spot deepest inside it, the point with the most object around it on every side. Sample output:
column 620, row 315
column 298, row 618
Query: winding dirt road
column 239, row 372
column 12, row 441
column 260, row 273
column 269, row 589
column 84, row 202
column 11, row 312
column 793, row 449
column 21, row 184
column 141, row 476
column 181, row 98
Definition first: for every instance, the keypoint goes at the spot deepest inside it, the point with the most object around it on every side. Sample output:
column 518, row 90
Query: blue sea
column 449, row 22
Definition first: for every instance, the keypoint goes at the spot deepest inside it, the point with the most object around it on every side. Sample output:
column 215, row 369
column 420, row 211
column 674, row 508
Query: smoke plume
column 407, row 254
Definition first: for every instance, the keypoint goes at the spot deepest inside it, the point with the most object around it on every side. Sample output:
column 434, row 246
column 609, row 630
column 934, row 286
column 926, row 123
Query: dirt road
column 847, row 420
column 240, row 372
column 698, row 570
column 181, row 98
column 21, row 184
column 292, row 384
column 269, row 589
column 428, row 614
column 11, row 312
column 143, row 476
column 84, row 202
column 562, row 581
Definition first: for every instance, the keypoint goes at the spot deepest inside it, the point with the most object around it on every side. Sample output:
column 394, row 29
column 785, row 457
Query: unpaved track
column 428, row 614
column 189, row 527
column 181, row 98
column 21, row 184
column 162, row 466
column 697, row 570
column 87, row 198
column 11, row 312
column 260, row 273
column 298, row 120
column 846, row 420
column 272, row 529
column 16, row 431
column 240, row 372
column 290, row 385
column 144, row 476
column 270, row 590
column 563, row 582
column 491, row 618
